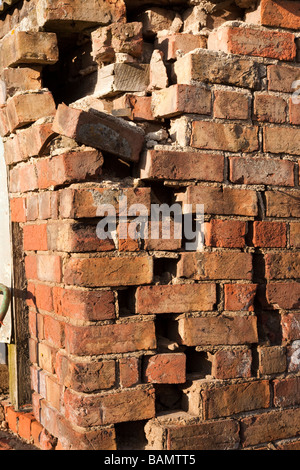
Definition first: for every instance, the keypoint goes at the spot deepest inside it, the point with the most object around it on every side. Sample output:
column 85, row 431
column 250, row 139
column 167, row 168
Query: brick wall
column 143, row 343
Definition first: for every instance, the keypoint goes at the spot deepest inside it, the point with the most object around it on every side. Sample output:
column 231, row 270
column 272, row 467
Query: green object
column 5, row 302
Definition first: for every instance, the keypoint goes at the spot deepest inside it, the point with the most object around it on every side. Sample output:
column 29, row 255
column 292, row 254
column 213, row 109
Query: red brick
column 281, row 77
column 223, row 201
column 261, row 171
column 210, row 66
column 235, row 398
column 294, row 112
column 121, row 139
column 238, row 297
column 69, row 167
column 84, row 305
column 43, row 297
column 264, row 427
column 272, row 360
column 184, row 42
column 23, row 178
column 282, row 203
column 31, row 266
column 104, row 272
column 27, row 108
column 35, row 237
column 179, row 99
column 32, row 207
column 110, row 339
column 54, row 332
column 252, row 41
column 47, row 205
column 284, row 295
column 281, row 140
column 24, row 425
column 282, row 265
column 175, row 298
column 279, row 13
column 4, row 124
column 228, row 137
column 129, row 371
column 54, row 392
column 211, row 330
column 22, row 79
column 231, row 104
column 212, row 435
column 124, row 38
column 290, row 324
column 33, row 140
column 76, row 203
column 36, row 429
column 176, row 165
column 269, row 108
column 85, row 376
column 287, row 392
column 225, row 233
column 231, row 363
column 18, row 209
column 269, row 234
column 13, row 151
column 215, row 265
column 97, row 410
column 295, row 235
column 166, row 368
column 12, row 418
column 19, row 47
column 49, row 268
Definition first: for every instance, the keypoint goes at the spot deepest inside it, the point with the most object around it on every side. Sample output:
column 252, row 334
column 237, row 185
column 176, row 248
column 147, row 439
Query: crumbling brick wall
column 143, row 343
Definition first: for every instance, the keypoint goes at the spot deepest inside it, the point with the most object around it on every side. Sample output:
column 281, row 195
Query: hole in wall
column 197, row 363
column 131, row 435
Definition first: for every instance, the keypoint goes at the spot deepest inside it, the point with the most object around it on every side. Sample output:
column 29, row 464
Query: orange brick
column 225, row 233
column 231, row 104
column 239, row 297
column 35, row 237
column 166, row 368
column 269, row 234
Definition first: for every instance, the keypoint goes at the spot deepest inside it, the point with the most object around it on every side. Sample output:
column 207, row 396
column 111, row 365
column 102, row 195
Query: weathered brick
column 175, row 298
column 117, row 78
column 282, row 265
column 23, row 178
column 235, row 398
column 101, row 131
column 83, row 376
column 215, row 265
column 281, row 140
column 269, row 108
column 123, row 38
column 295, row 235
column 156, row 19
column 211, row 330
column 281, row 77
column 129, row 371
column 286, row 392
column 110, row 339
column 294, row 112
column 83, row 304
column 225, row 233
column 264, row 427
column 282, row 203
column 271, row 359
column 26, row 108
column 33, row 140
column 184, row 42
column 290, row 324
column 229, row 137
column 223, row 201
column 69, row 167
column 4, row 123
column 179, row 99
column 103, row 272
column 215, row 67
column 77, row 16
column 19, row 47
column 253, row 41
column 22, row 79
column 285, row 295
column 109, row 408
column 43, row 297
column 166, row 368
column 269, row 234
column 279, row 13
column 176, row 165
column 49, row 268
column 231, row 104
column 231, row 363
column 238, row 297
